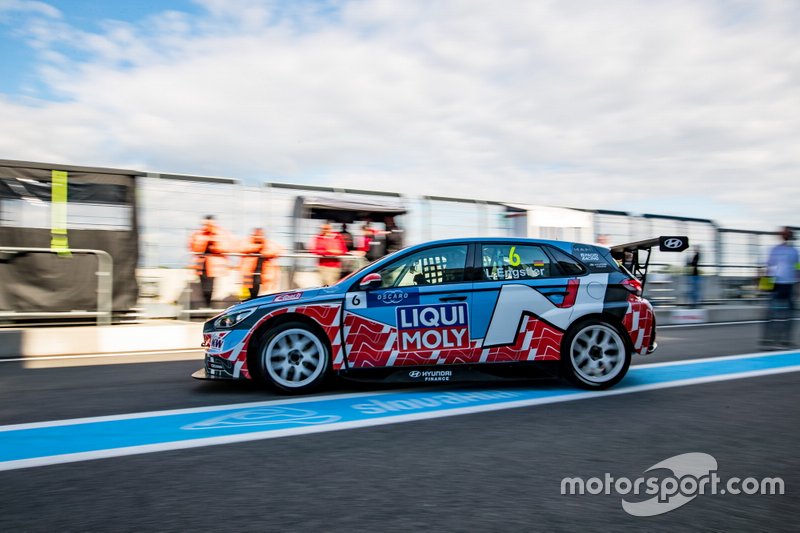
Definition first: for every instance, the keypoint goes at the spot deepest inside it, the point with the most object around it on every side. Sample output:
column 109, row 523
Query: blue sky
column 18, row 70
column 687, row 107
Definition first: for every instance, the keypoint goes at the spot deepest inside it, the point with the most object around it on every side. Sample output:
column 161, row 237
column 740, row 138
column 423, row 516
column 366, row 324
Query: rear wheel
column 293, row 358
column 594, row 355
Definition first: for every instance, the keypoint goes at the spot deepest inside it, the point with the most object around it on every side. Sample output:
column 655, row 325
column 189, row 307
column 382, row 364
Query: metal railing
column 291, row 264
column 105, row 285
column 668, row 285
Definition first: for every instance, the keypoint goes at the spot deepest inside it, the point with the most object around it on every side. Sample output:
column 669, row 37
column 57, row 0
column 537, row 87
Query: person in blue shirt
column 782, row 267
column 694, row 277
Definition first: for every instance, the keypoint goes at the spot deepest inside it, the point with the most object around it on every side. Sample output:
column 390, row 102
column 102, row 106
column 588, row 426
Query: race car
column 449, row 310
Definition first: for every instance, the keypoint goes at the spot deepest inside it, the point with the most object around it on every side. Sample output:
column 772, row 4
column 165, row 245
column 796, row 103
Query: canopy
column 339, row 210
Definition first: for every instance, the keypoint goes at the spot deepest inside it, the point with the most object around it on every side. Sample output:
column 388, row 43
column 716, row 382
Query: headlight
column 228, row 320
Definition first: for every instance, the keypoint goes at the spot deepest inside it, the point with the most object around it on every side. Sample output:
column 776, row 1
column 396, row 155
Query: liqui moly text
column 432, row 327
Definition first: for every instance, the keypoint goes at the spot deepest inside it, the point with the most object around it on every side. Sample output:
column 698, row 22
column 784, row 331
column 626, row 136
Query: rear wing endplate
column 628, row 254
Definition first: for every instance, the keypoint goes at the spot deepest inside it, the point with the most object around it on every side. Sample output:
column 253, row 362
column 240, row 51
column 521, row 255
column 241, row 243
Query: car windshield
column 432, row 266
column 360, row 270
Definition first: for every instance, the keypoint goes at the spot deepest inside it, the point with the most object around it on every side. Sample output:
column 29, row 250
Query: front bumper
column 201, row 374
column 216, row 368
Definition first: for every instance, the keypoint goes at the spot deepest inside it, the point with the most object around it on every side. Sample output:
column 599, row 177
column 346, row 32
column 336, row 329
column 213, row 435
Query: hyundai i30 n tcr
column 451, row 310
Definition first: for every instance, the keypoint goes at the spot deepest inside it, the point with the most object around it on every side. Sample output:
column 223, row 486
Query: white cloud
column 605, row 105
column 27, row 6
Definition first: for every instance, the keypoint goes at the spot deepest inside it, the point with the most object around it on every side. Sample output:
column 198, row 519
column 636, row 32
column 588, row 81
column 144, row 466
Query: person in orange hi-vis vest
column 261, row 273
column 208, row 246
column 328, row 244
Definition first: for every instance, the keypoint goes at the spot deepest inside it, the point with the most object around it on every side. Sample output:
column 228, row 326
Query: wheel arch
column 608, row 318
column 567, row 368
column 258, row 334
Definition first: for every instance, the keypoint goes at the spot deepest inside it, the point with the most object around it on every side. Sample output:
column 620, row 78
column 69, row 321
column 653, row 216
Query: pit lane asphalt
column 489, row 471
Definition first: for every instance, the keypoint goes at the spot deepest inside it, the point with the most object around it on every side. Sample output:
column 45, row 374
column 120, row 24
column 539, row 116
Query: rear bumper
column 653, row 344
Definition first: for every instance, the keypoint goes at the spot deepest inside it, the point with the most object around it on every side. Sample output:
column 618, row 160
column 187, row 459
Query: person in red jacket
column 259, row 267
column 209, row 245
column 328, row 245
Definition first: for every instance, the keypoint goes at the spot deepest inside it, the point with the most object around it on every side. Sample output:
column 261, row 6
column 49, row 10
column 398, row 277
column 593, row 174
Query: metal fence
column 172, row 208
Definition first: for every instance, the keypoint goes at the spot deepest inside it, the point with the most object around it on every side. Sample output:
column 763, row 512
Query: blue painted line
column 708, row 368
column 181, row 428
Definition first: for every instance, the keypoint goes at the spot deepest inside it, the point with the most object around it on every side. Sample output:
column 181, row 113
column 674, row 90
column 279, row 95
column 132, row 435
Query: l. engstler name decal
column 432, row 327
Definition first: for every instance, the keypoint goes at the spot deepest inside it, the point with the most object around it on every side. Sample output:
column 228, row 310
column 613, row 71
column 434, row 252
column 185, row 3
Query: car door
column 418, row 314
column 523, row 299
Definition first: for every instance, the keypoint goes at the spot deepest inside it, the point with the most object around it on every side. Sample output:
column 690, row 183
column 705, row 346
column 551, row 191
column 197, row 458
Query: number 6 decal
column 356, row 300
column 514, row 258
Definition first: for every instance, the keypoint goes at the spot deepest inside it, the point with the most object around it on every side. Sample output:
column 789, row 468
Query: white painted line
column 303, row 399
column 711, row 324
column 204, row 409
column 97, row 355
column 712, row 359
column 411, row 417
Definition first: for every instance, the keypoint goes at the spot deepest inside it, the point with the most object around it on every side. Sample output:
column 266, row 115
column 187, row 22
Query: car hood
column 293, row 297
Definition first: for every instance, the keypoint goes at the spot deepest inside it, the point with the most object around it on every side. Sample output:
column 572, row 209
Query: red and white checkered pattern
column 638, row 321
column 374, row 344
column 536, row 341
column 326, row 315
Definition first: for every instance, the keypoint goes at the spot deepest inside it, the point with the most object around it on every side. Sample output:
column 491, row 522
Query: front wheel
column 293, row 358
column 594, row 355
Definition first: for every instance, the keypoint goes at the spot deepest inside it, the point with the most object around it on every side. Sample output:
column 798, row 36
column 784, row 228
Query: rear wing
column 628, row 254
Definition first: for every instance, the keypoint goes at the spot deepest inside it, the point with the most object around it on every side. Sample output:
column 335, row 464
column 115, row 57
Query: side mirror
column 370, row 281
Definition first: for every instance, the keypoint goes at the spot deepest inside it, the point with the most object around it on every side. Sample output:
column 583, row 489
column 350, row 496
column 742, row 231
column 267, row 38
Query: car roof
column 517, row 240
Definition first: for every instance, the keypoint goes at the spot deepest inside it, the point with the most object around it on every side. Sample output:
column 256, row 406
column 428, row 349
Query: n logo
column 517, row 300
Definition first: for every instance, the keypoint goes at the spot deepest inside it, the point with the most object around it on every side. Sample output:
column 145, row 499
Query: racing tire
column 293, row 358
column 594, row 355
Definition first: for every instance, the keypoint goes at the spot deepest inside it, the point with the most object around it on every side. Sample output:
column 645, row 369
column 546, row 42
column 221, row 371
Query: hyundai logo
column 673, row 243
column 414, row 374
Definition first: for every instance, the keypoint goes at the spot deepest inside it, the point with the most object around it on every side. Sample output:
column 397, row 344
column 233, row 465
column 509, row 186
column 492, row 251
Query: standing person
column 328, row 244
column 374, row 243
column 208, row 245
column 782, row 267
column 694, row 277
column 350, row 246
column 395, row 236
column 260, row 271
column 348, row 238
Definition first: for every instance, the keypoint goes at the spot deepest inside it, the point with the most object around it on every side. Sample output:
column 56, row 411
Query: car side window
column 512, row 261
column 434, row 266
column 568, row 265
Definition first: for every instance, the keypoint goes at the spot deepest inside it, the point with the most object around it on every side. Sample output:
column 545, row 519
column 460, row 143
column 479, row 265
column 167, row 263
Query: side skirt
column 455, row 373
